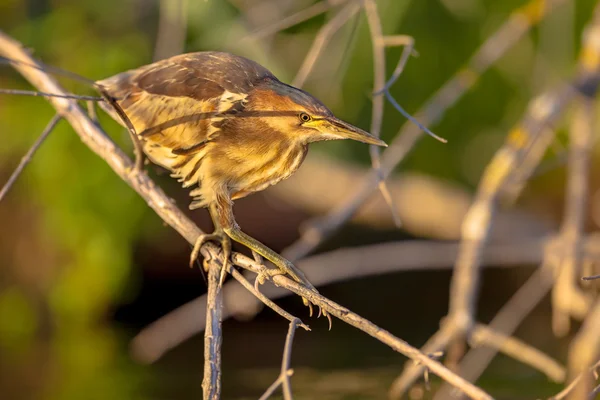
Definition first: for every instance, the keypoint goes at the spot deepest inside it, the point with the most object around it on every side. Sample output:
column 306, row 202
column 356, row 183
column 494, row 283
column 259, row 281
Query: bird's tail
column 107, row 102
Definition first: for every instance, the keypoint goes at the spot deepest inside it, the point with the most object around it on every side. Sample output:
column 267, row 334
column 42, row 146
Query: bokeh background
column 85, row 264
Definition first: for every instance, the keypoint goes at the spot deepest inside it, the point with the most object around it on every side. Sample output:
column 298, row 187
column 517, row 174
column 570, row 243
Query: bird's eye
column 304, row 117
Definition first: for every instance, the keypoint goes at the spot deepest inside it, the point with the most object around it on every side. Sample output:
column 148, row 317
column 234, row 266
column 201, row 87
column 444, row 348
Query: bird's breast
column 261, row 170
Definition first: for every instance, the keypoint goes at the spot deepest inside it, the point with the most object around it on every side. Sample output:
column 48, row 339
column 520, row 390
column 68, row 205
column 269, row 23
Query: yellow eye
column 304, row 117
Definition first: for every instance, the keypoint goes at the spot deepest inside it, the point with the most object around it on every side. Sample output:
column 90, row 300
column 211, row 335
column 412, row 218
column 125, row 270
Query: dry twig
column 482, row 335
column 505, row 322
column 286, row 372
column 28, row 156
column 322, row 38
column 295, row 19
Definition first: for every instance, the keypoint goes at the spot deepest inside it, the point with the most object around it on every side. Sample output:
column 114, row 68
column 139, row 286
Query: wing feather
column 177, row 101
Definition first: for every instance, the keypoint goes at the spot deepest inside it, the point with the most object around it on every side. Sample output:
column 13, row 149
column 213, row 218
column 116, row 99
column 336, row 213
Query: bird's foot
column 223, row 240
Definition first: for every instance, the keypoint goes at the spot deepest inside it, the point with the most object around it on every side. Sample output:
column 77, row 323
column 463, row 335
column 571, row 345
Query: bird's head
column 300, row 116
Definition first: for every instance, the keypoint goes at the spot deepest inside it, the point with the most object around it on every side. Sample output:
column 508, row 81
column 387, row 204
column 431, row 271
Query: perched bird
column 226, row 127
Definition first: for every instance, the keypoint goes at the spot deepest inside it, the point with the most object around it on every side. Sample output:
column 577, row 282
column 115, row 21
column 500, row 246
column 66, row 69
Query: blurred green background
column 84, row 263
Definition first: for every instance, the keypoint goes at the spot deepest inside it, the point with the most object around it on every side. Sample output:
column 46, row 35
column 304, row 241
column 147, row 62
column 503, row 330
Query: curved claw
column 200, row 241
column 225, row 245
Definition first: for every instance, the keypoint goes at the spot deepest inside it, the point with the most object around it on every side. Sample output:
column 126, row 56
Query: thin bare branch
column 322, row 39
column 295, row 19
column 543, row 111
column 482, row 335
column 43, row 94
column 213, row 337
column 283, row 379
column 506, row 321
column 591, row 278
column 241, row 279
column 408, row 48
column 584, row 352
column 28, row 156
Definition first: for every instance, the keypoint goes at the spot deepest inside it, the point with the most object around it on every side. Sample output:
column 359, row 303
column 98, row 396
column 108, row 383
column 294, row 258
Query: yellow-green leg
column 224, row 214
column 284, row 265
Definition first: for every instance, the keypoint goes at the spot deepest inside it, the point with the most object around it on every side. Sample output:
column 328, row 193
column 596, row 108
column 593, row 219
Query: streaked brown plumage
column 227, row 126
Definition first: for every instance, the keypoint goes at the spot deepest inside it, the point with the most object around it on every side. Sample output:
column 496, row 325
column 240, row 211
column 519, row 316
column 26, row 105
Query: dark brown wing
column 174, row 102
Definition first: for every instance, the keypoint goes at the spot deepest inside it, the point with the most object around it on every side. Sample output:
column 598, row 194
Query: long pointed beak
column 343, row 130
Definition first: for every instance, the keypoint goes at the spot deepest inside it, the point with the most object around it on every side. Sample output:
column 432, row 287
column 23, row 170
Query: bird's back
column 176, row 104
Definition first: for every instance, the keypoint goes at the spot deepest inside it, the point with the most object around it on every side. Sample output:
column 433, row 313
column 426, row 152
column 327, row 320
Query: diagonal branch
column 284, row 377
column 28, row 156
column 323, row 37
column 295, row 19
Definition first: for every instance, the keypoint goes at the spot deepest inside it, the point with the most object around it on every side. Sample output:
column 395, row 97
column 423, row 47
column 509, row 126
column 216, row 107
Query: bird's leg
column 225, row 213
column 218, row 235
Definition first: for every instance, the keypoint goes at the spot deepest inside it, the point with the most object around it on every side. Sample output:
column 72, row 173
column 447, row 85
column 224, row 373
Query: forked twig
column 286, row 372
column 505, row 322
column 29, row 155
